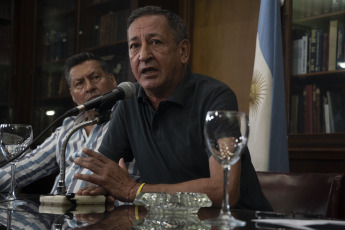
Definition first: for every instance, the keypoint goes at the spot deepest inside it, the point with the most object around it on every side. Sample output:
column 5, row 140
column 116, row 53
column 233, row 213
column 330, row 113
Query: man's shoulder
column 206, row 83
column 207, row 80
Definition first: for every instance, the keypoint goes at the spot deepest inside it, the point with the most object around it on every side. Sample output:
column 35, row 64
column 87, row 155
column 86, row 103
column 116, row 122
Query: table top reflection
column 32, row 215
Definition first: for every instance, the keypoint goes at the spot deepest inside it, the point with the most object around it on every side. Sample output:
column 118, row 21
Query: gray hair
column 175, row 22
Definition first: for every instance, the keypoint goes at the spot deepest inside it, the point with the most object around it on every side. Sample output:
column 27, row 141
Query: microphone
column 106, row 101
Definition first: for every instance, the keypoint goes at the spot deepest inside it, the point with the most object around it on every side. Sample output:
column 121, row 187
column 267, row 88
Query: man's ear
column 71, row 93
column 185, row 50
column 112, row 77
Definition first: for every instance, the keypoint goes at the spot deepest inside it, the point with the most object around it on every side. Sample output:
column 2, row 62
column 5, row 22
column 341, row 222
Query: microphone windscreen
column 128, row 88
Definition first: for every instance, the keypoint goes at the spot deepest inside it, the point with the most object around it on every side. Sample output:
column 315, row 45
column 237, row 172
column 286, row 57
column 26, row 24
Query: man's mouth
column 149, row 70
column 93, row 97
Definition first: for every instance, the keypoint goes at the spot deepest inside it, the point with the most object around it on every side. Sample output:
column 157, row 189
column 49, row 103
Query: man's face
column 89, row 81
column 156, row 60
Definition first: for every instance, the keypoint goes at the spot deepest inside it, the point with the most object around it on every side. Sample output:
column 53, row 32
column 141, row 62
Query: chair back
column 308, row 193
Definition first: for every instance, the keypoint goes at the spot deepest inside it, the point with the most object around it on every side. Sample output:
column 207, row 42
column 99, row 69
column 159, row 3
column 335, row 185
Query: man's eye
column 133, row 46
column 156, row 42
column 78, row 84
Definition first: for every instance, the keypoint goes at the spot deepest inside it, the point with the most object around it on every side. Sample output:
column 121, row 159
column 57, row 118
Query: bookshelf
column 314, row 59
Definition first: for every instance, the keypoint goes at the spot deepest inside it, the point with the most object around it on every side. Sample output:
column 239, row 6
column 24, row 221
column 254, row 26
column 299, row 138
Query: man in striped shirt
column 88, row 77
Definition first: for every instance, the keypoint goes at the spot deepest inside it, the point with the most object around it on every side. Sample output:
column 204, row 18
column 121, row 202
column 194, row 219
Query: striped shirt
column 45, row 159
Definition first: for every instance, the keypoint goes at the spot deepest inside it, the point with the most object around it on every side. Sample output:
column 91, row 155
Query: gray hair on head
column 176, row 23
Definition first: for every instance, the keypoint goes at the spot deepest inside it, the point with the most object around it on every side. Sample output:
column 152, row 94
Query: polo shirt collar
column 181, row 92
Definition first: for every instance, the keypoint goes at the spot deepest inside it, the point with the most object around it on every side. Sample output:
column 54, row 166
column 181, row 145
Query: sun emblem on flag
column 257, row 92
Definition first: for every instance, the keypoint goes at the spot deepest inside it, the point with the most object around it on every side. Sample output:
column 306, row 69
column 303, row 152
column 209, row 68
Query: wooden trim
column 286, row 31
column 23, row 61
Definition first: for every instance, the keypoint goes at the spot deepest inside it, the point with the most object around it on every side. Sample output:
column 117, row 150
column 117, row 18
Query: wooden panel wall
column 223, row 43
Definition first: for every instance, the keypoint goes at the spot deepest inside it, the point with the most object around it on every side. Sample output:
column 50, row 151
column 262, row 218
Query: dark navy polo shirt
column 168, row 143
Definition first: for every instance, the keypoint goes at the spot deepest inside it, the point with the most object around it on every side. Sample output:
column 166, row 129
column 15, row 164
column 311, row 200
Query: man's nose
column 89, row 85
column 145, row 52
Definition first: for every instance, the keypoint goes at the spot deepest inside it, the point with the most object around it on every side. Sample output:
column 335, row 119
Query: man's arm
column 33, row 166
column 118, row 183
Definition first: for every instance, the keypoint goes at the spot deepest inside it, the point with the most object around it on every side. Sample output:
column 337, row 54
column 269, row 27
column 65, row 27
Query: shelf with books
column 314, row 51
column 104, row 23
column 317, row 68
column 318, row 43
column 316, row 108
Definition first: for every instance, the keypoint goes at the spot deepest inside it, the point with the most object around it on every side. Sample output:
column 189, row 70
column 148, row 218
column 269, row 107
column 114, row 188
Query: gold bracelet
column 139, row 189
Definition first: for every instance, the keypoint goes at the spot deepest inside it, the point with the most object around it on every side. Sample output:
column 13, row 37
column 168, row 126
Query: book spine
column 312, row 51
column 326, row 115
column 335, row 5
column 318, row 50
column 340, row 46
column 304, row 54
column 332, row 52
column 325, row 50
column 330, row 107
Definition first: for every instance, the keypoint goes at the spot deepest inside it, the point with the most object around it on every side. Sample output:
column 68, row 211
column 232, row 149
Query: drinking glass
column 226, row 135
column 14, row 138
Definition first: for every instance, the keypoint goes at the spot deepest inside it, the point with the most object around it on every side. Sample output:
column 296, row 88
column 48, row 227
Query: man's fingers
column 122, row 164
column 96, row 155
column 89, row 178
column 110, row 199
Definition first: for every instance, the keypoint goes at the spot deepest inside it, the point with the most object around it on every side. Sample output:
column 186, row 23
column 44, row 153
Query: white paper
column 300, row 224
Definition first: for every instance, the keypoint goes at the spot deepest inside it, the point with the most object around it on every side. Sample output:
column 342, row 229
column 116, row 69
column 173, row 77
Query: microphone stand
column 101, row 118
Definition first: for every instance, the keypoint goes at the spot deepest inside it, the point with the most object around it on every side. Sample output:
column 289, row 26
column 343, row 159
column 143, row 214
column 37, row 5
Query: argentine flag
column 267, row 114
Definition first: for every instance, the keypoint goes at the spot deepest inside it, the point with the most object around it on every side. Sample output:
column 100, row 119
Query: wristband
column 140, row 188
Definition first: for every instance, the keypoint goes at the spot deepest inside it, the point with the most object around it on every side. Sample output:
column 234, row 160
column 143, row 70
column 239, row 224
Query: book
column 300, row 55
column 294, row 57
column 301, row 108
column 318, row 50
column 319, row 109
column 335, row 5
column 332, row 47
column 122, row 24
column 308, row 111
column 340, row 46
column 294, row 114
column 330, row 109
column 316, row 109
column 108, row 28
column 337, row 110
column 312, row 51
column 324, row 56
column 304, row 64
column 326, row 115
column 315, row 50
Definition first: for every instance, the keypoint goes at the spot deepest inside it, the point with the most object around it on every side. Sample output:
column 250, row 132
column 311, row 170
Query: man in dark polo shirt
column 162, row 127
